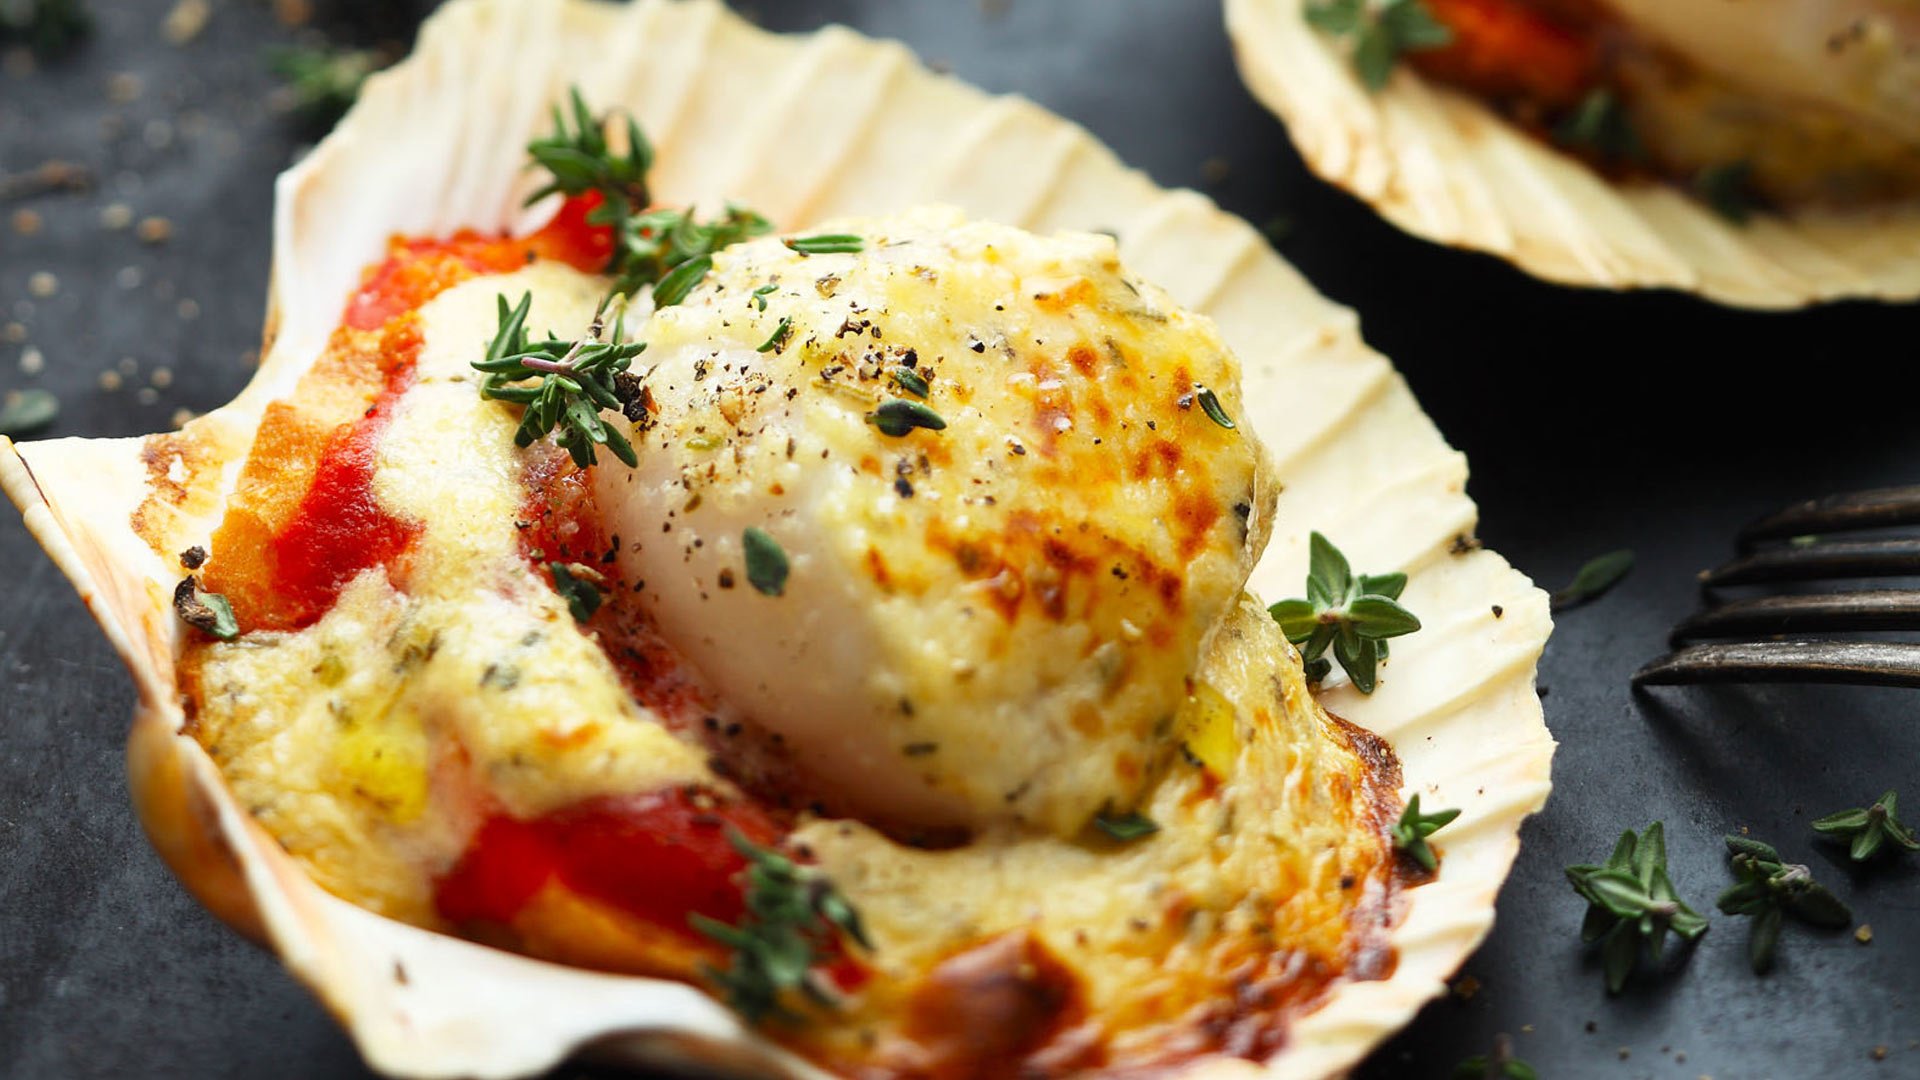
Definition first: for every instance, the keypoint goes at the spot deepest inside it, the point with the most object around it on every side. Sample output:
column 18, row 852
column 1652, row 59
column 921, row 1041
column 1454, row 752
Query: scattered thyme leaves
column 1869, row 830
column 1354, row 615
column 1600, row 573
column 794, row 921
column 898, row 416
column 1381, row 31
column 767, row 563
column 321, row 83
column 778, row 339
column 47, row 27
column 1631, row 902
column 1210, row 404
column 1130, row 826
column 760, row 296
column 1728, row 190
column 1768, row 889
column 572, row 382
column 580, row 586
column 209, row 613
column 827, row 244
column 1411, row 831
column 24, row 412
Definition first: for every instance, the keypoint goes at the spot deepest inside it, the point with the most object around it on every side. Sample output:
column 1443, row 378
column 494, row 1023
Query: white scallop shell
column 1443, row 166
column 799, row 127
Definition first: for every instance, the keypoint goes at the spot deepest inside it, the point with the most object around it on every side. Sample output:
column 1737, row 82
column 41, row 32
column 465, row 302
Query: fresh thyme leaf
column 322, row 83
column 1411, row 831
column 1130, row 826
column 793, row 922
column 898, row 416
column 209, row 613
column 778, row 339
column 767, row 564
column 1632, row 904
column 48, row 27
column 1728, row 190
column 760, row 296
column 1768, row 889
column 24, row 412
column 1381, row 32
column 1869, row 830
column 1599, row 574
column 910, row 380
column 1600, row 124
column 1210, row 404
column 580, row 586
column 572, row 382
column 674, row 286
column 827, row 244
column 1353, row 616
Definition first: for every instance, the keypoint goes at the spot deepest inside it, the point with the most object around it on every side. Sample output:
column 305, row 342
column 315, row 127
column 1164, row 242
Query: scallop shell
column 801, row 127
column 1443, row 166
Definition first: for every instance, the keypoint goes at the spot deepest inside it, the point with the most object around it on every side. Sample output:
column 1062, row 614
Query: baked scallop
column 1760, row 154
column 840, row 651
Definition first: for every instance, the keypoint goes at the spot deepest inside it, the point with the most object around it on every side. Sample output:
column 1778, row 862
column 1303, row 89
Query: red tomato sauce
column 1512, row 49
column 662, row 857
column 305, row 520
column 339, row 528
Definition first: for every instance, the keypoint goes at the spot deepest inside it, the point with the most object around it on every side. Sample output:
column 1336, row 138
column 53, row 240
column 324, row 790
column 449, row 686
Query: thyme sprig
column 668, row 249
column 794, row 919
column 1380, row 30
column 1768, row 888
column 1869, row 830
column 1352, row 614
column 1411, row 831
column 1631, row 901
column 571, row 382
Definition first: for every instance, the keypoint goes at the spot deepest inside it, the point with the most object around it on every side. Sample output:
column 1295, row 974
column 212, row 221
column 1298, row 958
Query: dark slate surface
column 1593, row 422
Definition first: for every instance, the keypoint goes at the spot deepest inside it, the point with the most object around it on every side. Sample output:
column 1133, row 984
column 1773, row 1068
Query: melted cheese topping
column 450, row 690
column 371, row 742
column 990, row 620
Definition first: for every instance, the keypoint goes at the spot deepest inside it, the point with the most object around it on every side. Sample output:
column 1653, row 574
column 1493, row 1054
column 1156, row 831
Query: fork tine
column 1877, row 663
column 1861, row 510
column 1836, row 558
column 1866, row 609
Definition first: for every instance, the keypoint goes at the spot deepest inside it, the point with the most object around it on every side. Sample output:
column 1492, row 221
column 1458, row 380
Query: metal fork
column 1793, row 545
